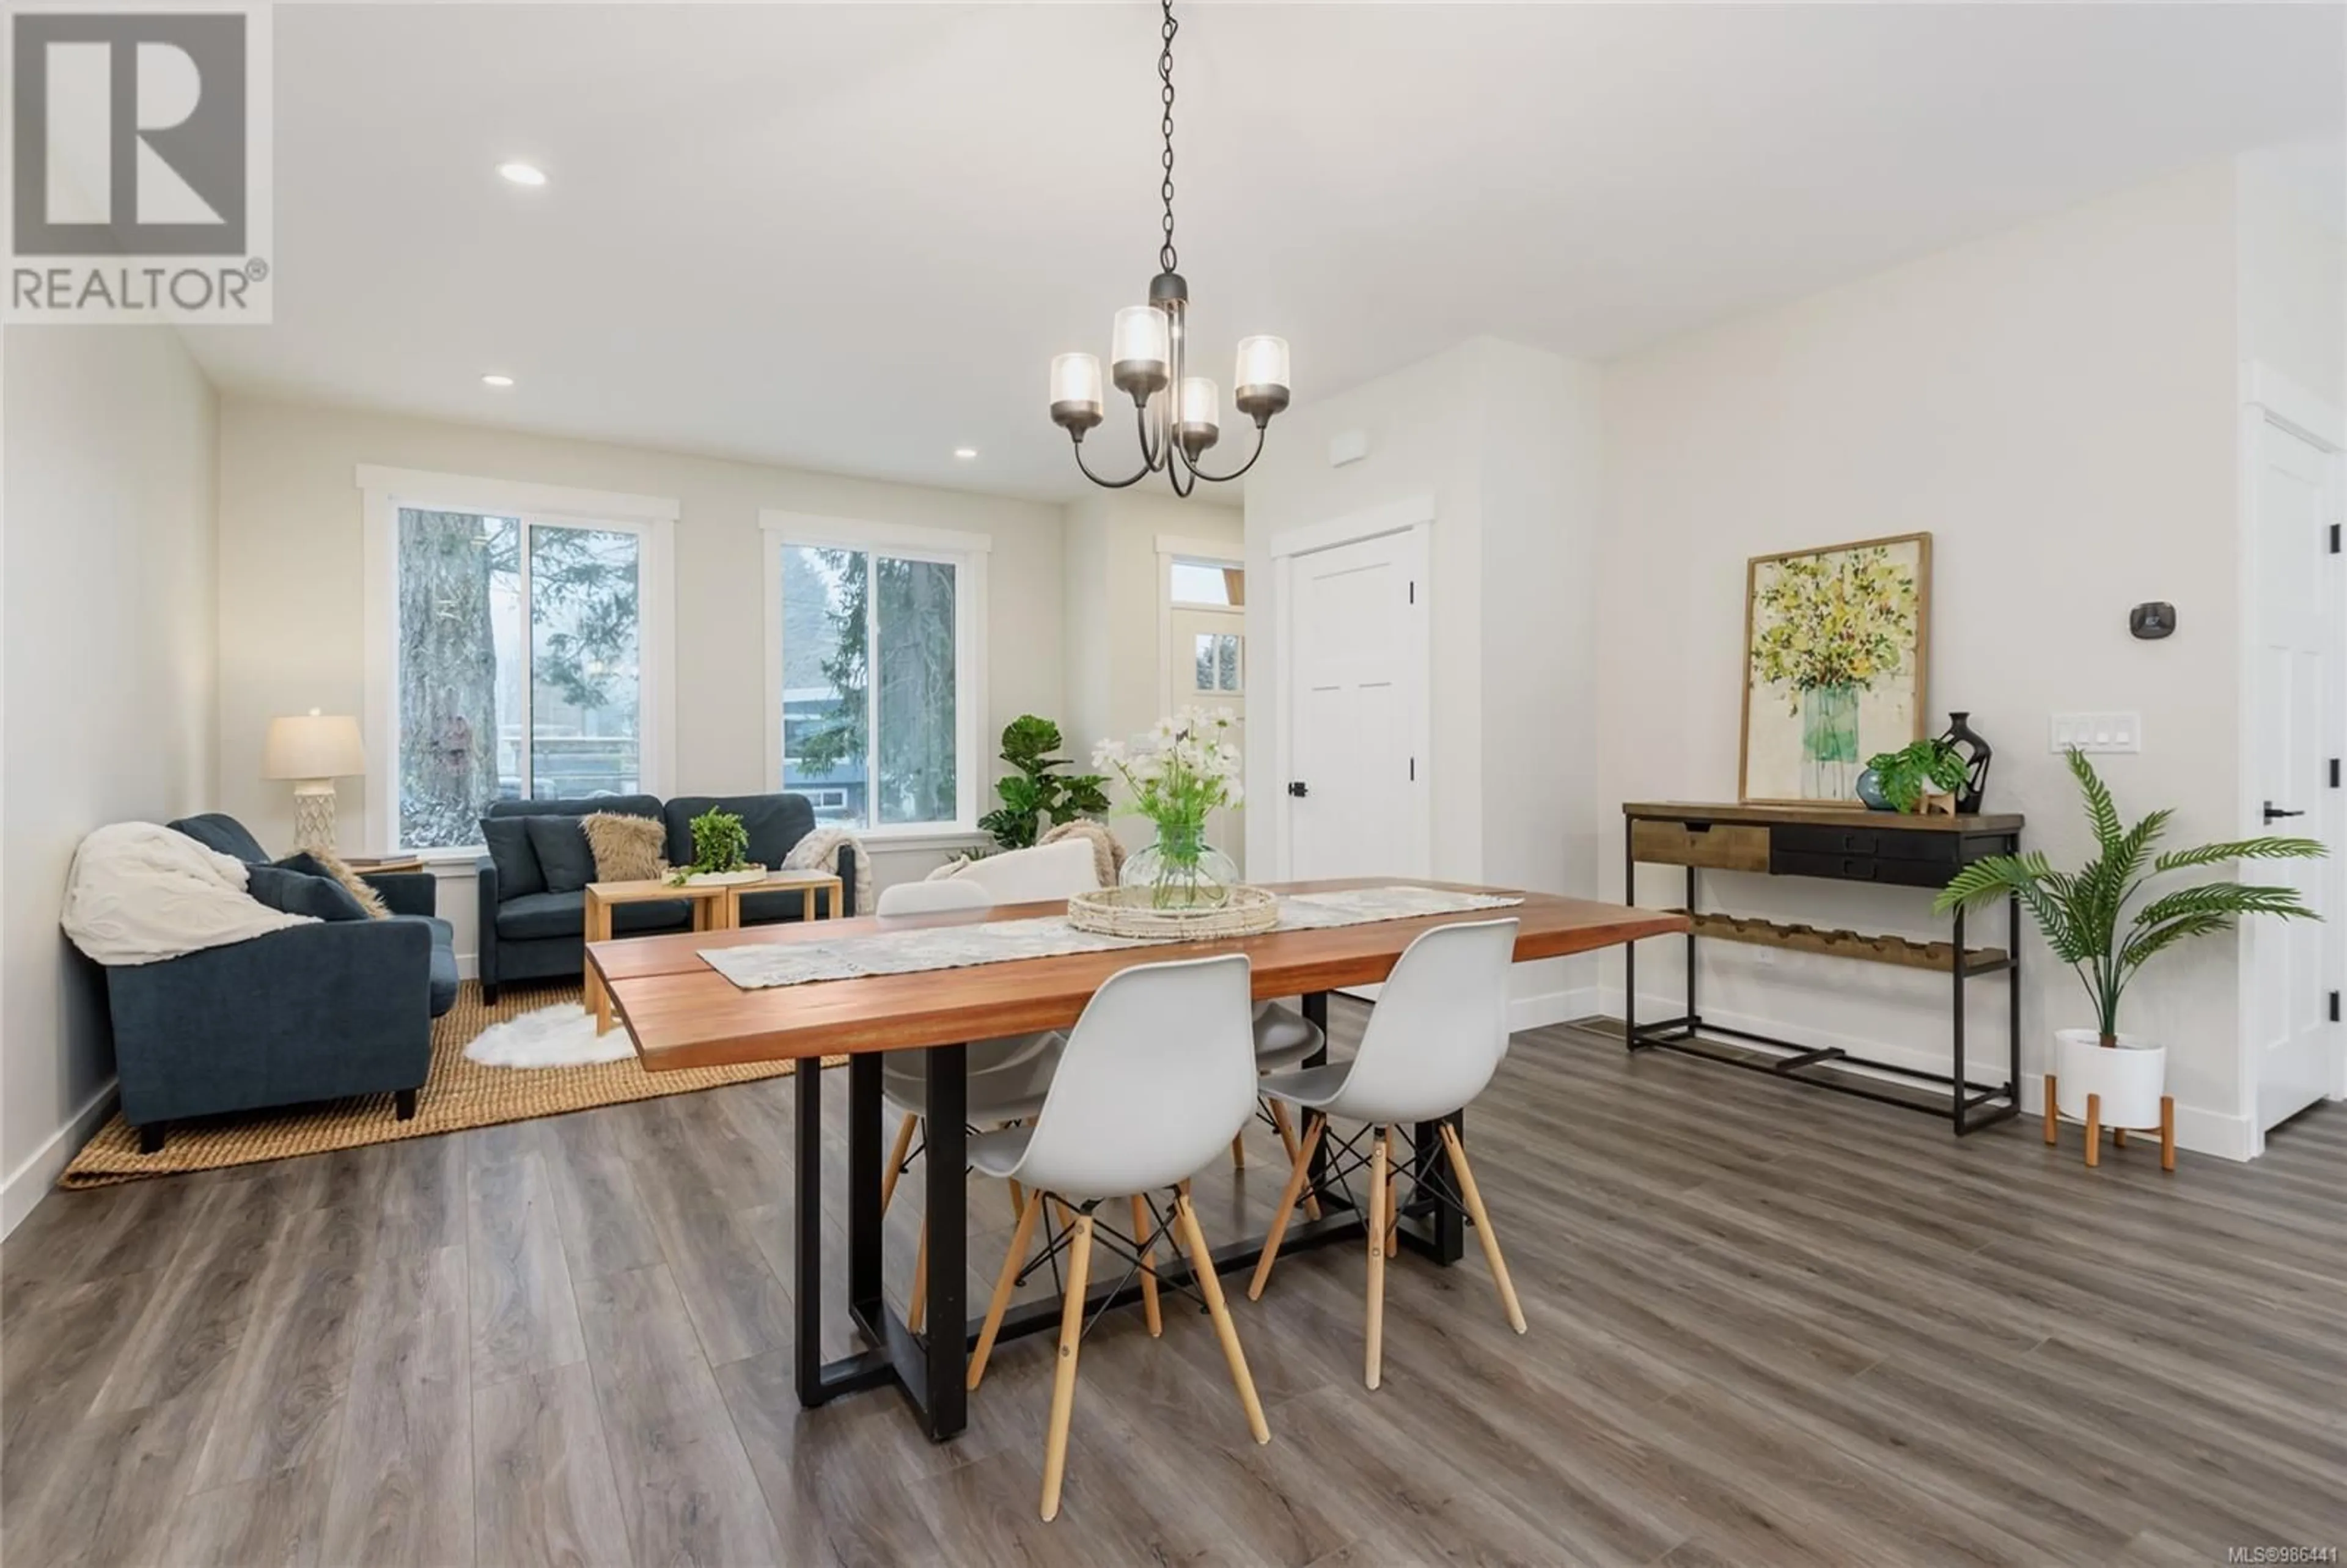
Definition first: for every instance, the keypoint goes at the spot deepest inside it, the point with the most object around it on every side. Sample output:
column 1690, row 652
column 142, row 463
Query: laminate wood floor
column 1768, row 1326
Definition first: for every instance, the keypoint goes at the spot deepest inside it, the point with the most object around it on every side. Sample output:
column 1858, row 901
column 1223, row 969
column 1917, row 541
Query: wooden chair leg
column 1063, row 1379
column 919, row 1309
column 1018, row 1199
column 1003, row 1283
column 1475, row 1198
column 1238, row 1151
column 1202, row 1264
column 2093, row 1130
column 1141, row 1222
column 1300, row 1172
column 2052, row 1114
column 2118, row 1137
column 1393, row 1207
column 1373, row 1359
column 2167, row 1132
column 896, row 1166
column 1279, row 1119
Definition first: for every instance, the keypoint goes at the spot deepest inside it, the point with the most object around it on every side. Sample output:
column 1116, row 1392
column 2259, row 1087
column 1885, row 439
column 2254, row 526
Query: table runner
column 756, row 968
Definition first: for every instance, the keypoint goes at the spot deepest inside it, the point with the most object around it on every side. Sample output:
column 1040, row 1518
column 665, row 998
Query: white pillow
column 1054, row 871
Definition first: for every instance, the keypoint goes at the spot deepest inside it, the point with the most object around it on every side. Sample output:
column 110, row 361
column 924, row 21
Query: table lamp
column 313, row 750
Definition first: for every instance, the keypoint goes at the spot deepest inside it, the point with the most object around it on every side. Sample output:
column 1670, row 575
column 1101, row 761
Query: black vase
column 1976, row 753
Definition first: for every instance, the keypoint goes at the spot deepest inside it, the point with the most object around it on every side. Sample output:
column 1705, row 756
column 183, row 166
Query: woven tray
column 1128, row 912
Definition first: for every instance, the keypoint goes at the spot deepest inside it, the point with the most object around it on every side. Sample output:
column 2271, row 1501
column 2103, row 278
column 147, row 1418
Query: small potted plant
column 1038, row 792
column 1185, row 767
column 1905, row 779
column 2081, row 913
column 721, row 845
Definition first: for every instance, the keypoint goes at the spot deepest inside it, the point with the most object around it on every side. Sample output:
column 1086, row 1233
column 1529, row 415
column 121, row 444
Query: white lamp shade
column 313, row 745
column 1076, row 378
column 1200, row 403
column 1263, row 362
column 1140, row 337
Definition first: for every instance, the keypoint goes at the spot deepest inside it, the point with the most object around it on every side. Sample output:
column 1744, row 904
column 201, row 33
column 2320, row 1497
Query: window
column 873, row 667
column 512, row 654
column 1217, row 660
column 1197, row 582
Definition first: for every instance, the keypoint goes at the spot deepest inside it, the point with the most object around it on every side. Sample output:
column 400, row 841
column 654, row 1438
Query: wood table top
column 682, row 1014
column 1820, row 816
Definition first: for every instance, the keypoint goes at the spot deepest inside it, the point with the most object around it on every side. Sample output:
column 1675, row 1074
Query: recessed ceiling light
column 965, row 452
column 523, row 173
column 494, row 380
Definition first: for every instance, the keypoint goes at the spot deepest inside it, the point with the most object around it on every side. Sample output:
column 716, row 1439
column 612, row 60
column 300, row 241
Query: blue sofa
column 533, row 915
column 313, row 1012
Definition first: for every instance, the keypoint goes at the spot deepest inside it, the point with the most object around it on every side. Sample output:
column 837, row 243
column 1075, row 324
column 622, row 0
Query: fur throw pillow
column 326, row 863
column 626, row 849
column 819, row 851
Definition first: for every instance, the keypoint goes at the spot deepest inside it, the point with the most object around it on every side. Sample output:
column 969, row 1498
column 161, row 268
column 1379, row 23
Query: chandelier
column 1178, row 415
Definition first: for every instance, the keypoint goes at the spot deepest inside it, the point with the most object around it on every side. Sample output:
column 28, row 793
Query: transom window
column 873, row 671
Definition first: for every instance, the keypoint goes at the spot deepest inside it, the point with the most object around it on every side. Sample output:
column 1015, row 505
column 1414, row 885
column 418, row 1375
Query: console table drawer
column 1825, row 840
column 1723, row 847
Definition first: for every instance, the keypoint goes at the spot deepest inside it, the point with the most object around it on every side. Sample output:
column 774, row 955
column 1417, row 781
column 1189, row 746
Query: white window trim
column 653, row 518
column 1171, row 548
column 967, row 553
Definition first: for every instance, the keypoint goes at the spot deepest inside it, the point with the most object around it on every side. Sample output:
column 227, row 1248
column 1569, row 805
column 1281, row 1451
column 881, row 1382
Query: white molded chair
column 1157, row 1076
column 1006, row 1077
column 1034, row 875
column 1437, row 1035
column 1284, row 1039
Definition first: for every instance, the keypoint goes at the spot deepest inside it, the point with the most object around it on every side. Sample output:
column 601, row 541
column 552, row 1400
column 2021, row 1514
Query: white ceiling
column 851, row 237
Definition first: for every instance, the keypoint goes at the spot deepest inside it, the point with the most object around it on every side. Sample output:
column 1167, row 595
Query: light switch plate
column 2093, row 732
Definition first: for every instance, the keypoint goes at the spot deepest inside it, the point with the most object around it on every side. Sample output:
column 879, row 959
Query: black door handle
column 1298, row 788
column 2274, row 812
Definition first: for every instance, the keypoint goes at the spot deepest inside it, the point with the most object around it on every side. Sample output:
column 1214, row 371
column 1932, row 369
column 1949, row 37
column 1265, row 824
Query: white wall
column 2294, row 281
column 2056, row 405
column 109, row 565
column 1503, row 439
column 290, row 588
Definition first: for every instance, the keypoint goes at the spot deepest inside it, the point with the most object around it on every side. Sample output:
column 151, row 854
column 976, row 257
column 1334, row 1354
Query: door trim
column 1171, row 548
column 1414, row 515
column 2268, row 398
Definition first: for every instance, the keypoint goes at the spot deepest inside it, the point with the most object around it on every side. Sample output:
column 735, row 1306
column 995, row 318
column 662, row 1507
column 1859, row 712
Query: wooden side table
column 714, row 909
column 809, row 883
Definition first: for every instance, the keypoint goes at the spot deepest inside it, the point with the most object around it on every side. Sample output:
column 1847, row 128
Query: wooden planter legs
column 2166, row 1128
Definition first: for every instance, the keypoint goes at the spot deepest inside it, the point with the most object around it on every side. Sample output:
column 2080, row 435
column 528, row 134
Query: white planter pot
column 2128, row 1078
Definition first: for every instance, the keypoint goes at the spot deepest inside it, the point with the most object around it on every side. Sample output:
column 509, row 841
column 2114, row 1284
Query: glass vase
column 1829, row 743
column 1181, row 870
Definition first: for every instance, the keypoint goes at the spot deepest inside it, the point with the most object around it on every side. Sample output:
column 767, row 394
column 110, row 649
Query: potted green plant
column 721, row 845
column 1038, row 795
column 2101, row 921
column 1905, row 776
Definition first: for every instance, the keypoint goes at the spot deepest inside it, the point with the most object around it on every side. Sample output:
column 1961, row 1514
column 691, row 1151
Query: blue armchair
column 313, row 1012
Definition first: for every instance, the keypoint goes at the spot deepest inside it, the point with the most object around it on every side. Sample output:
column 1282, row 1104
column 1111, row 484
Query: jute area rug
column 459, row 1094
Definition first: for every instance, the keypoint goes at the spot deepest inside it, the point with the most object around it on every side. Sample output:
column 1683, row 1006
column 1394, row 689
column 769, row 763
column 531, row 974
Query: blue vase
column 1869, row 789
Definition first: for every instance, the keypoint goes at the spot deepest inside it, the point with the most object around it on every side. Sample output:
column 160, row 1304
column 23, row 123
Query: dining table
column 681, row 1013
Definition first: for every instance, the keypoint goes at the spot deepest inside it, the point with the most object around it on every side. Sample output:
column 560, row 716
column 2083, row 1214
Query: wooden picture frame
column 1831, row 726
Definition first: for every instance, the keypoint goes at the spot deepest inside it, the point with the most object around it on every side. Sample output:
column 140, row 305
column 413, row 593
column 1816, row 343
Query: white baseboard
column 29, row 1183
column 1546, row 1008
column 2198, row 1129
column 468, row 965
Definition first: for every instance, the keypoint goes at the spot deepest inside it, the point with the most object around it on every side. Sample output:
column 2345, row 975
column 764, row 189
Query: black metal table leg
column 947, row 1164
column 2012, row 1002
column 807, row 1240
column 1445, row 1240
column 1962, row 1091
column 864, row 1160
column 1630, row 947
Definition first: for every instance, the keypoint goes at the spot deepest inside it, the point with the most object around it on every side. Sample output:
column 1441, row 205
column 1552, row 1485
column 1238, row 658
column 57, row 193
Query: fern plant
column 2080, row 911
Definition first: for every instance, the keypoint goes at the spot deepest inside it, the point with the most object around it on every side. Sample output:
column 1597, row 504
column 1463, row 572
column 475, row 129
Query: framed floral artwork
column 1834, row 647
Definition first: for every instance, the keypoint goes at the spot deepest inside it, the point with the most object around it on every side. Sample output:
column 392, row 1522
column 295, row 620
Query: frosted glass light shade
column 1201, row 403
column 1260, row 389
column 1076, row 392
column 1263, row 362
column 1141, row 350
column 313, row 745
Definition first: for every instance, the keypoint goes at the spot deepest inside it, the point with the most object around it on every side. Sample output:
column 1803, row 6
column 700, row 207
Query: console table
column 1837, row 845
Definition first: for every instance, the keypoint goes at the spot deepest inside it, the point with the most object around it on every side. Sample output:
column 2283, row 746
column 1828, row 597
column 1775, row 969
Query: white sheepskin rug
column 559, row 1036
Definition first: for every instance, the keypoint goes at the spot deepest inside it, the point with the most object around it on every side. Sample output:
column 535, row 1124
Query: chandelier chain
column 1166, row 257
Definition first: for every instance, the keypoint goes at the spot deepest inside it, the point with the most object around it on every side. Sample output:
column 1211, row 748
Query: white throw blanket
column 819, row 851
column 139, row 893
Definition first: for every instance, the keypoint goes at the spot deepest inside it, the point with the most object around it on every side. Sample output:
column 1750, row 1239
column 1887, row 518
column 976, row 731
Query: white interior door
column 1356, row 694
column 2292, row 1041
